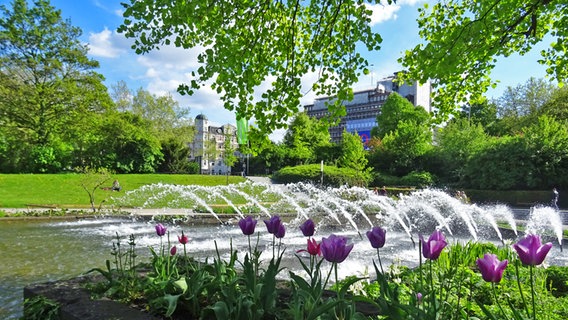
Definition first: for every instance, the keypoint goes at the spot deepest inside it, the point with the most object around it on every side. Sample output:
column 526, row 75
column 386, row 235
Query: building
column 362, row 111
column 208, row 146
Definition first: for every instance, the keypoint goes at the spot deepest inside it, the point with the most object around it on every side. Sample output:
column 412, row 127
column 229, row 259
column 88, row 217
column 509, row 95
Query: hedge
column 332, row 176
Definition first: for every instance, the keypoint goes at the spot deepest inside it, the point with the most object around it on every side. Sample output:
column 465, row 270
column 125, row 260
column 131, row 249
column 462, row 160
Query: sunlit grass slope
column 65, row 190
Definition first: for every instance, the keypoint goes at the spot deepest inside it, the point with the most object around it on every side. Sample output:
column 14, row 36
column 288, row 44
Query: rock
column 76, row 303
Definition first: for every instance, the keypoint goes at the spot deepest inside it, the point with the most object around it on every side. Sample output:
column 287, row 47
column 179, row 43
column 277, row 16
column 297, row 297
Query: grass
column 65, row 190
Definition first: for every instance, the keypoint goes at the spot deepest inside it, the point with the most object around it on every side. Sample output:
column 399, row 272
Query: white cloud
column 382, row 13
column 106, row 44
column 386, row 12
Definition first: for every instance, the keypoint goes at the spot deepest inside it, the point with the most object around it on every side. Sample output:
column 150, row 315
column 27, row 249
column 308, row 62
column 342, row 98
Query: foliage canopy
column 463, row 40
column 249, row 45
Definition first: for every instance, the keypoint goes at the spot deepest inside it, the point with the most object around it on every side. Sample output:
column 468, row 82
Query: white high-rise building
column 362, row 111
column 208, row 146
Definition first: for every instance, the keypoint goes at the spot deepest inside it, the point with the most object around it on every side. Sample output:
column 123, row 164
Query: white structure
column 362, row 111
column 208, row 146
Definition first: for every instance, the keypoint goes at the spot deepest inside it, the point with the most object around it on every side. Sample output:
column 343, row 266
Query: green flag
column 242, row 130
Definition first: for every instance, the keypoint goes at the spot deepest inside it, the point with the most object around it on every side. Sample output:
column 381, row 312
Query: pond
column 41, row 250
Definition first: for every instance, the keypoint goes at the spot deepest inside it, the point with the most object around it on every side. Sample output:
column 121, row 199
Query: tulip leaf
column 181, row 284
column 172, row 301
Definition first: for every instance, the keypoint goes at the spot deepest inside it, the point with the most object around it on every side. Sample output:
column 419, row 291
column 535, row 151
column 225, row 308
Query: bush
column 332, row 176
column 418, row 179
column 381, row 179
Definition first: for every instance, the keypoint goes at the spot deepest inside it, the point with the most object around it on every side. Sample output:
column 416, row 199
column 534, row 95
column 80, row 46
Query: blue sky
column 162, row 71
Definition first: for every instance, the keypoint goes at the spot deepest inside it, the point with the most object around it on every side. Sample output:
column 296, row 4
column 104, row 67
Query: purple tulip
column 247, row 225
column 335, row 248
column 273, row 224
column 280, row 232
column 377, row 237
column 432, row 248
column 173, row 250
column 308, row 228
column 531, row 251
column 419, row 297
column 160, row 230
column 491, row 269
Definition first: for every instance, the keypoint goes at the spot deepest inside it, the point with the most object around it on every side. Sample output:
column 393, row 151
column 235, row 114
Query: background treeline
column 56, row 115
column 516, row 142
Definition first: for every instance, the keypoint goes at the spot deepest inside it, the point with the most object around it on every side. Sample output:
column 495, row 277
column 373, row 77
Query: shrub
column 381, row 179
column 418, row 179
column 332, row 176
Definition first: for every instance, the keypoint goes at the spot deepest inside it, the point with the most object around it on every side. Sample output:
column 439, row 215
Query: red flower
column 313, row 248
column 183, row 239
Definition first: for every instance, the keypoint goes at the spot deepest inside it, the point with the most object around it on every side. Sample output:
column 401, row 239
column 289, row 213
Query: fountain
column 69, row 248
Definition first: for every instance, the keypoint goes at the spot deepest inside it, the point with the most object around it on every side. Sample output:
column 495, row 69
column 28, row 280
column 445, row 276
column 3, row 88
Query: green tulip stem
column 493, row 284
column 420, row 261
column 336, row 279
column 250, row 247
column 312, row 262
column 531, row 267
column 328, row 275
column 273, row 243
column 520, row 289
column 380, row 263
column 432, row 290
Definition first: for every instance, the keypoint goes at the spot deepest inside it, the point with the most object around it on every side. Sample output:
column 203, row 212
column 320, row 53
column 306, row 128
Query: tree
column 353, row 155
column 520, row 106
column 123, row 145
column 165, row 120
column 557, row 106
column 404, row 133
column 176, row 157
column 122, row 96
column 525, row 99
column 210, row 152
column 249, row 44
column 91, row 181
column 463, row 39
column 484, row 113
column 457, row 143
column 303, row 137
column 395, row 110
column 162, row 112
column 403, row 146
column 546, row 143
column 48, row 88
column 501, row 164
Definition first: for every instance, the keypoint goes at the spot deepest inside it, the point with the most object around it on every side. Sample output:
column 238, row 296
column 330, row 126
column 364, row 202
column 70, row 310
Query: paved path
column 263, row 180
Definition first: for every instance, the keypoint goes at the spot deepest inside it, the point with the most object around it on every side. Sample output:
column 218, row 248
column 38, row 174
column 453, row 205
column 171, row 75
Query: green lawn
column 65, row 191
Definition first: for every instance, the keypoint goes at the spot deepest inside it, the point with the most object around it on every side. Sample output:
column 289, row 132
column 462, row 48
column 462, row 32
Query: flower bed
column 452, row 281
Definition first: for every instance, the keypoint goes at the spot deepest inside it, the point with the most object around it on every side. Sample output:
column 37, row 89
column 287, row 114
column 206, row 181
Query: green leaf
column 172, row 301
